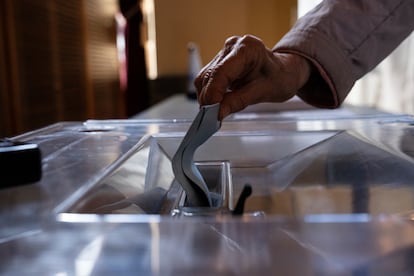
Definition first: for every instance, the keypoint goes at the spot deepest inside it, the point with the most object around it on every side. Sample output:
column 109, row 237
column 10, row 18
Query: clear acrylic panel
column 292, row 172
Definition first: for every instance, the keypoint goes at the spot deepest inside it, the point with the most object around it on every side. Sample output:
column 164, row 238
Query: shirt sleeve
column 344, row 40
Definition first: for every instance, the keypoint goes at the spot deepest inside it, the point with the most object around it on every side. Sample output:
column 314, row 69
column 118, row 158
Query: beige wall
column 209, row 23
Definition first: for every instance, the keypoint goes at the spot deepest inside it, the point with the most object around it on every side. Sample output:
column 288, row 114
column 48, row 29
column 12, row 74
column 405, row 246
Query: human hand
column 245, row 72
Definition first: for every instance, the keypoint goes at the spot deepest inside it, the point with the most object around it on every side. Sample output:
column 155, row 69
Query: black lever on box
column 246, row 192
column 20, row 163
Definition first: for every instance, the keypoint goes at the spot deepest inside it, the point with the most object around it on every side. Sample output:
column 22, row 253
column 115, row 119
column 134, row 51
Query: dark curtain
column 137, row 96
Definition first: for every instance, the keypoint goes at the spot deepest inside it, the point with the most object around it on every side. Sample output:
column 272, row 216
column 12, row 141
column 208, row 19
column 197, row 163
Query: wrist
column 297, row 65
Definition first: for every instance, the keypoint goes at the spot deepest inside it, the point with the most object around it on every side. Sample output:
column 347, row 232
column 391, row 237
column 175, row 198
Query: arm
column 344, row 40
column 245, row 72
column 319, row 59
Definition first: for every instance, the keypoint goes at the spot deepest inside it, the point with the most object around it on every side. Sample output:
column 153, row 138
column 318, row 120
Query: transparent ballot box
column 330, row 195
column 294, row 170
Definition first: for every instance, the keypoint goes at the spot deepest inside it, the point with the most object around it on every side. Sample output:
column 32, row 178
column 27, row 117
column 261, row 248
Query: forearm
column 344, row 40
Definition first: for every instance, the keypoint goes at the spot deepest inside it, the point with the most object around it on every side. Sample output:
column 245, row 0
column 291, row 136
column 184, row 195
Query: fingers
column 218, row 76
column 232, row 65
column 245, row 72
column 237, row 100
column 205, row 74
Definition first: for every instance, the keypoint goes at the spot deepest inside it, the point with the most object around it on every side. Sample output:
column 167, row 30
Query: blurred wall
column 389, row 86
column 209, row 23
column 58, row 62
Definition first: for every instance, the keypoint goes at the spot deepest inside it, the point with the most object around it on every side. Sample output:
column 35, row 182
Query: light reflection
column 337, row 218
column 151, row 42
column 112, row 218
column 306, row 5
column 155, row 248
column 87, row 258
column 121, row 47
column 310, row 125
column 153, row 129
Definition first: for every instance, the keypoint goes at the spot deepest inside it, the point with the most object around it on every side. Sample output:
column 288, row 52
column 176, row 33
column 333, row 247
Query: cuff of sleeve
column 331, row 78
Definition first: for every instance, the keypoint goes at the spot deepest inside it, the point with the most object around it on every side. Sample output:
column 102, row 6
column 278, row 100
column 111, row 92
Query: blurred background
column 101, row 59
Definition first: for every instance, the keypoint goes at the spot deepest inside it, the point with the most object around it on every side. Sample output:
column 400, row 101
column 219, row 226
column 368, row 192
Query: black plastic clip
column 20, row 163
column 246, row 192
